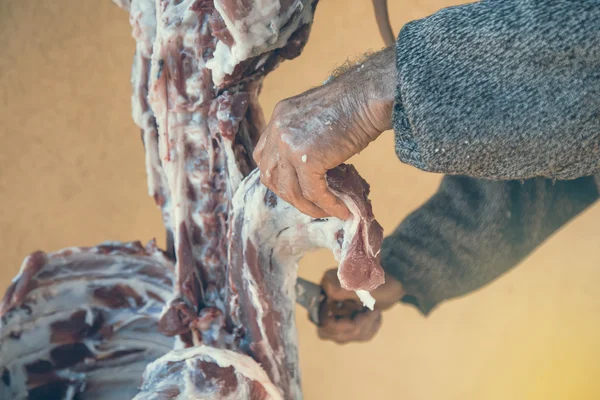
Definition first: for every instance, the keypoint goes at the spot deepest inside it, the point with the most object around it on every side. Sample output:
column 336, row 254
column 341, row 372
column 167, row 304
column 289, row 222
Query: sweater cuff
column 415, row 290
column 425, row 309
column 407, row 148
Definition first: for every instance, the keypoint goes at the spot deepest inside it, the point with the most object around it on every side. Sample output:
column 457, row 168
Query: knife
column 314, row 299
column 310, row 296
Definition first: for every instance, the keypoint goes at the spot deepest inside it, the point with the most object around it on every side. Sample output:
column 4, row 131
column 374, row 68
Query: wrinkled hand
column 346, row 320
column 318, row 130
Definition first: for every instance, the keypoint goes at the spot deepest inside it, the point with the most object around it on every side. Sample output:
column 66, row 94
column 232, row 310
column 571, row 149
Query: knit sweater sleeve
column 473, row 230
column 501, row 89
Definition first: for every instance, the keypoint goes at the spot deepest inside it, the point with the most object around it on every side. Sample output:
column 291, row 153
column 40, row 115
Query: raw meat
column 202, row 148
column 81, row 323
column 268, row 238
column 197, row 74
column 206, row 373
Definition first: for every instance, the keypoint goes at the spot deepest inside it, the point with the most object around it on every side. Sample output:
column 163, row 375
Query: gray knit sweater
column 503, row 96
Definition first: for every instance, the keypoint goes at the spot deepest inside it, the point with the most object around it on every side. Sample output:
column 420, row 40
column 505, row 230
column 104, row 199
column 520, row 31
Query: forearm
column 473, row 230
column 369, row 83
column 501, row 90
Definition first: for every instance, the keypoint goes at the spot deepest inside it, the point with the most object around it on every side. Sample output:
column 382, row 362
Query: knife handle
column 343, row 309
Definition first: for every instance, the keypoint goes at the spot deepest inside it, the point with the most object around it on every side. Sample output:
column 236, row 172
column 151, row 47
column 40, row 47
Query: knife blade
column 312, row 298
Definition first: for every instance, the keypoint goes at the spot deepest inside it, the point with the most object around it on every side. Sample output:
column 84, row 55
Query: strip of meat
column 194, row 161
column 359, row 268
column 206, row 373
column 143, row 21
column 81, row 323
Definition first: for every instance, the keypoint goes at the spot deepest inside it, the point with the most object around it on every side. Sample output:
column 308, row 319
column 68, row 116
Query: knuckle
column 277, row 109
column 281, row 108
column 325, row 285
column 308, row 192
column 281, row 105
column 286, row 141
column 265, row 178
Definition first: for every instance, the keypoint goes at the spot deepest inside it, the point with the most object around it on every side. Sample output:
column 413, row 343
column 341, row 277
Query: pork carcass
column 197, row 74
column 82, row 323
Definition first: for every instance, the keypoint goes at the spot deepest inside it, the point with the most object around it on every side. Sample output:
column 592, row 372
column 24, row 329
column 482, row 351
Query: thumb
column 332, row 287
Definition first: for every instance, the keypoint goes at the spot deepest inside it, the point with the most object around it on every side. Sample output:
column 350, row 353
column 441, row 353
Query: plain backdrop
column 72, row 173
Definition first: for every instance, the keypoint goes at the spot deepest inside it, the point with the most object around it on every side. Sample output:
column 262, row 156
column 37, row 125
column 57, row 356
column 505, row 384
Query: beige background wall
column 71, row 173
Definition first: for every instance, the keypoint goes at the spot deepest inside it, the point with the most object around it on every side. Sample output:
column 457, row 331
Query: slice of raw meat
column 81, row 323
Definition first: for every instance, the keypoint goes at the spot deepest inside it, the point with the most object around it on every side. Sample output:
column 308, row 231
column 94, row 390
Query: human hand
column 318, row 130
column 345, row 319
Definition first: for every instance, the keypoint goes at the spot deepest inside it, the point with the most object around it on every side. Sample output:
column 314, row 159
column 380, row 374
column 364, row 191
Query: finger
column 346, row 336
column 358, row 330
column 314, row 188
column 330, row 281
column 369, row 323
column 336, row 327
column 258, row 150
column 368, row 318
column 334, row 337
column 362, row 328
column 332, row 287
column 269, row 173
column 332, row 328
column 289, row 190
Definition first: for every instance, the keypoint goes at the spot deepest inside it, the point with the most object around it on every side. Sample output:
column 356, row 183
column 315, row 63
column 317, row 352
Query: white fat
column 262, row 61
column 189, row 385
column 66, row 285
column 142, row 18
column 254, row 292
column 222, row 63
column 233, row 172
column 351, row 225
column 366, row 298
column 243, row 365
column 257, row 33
